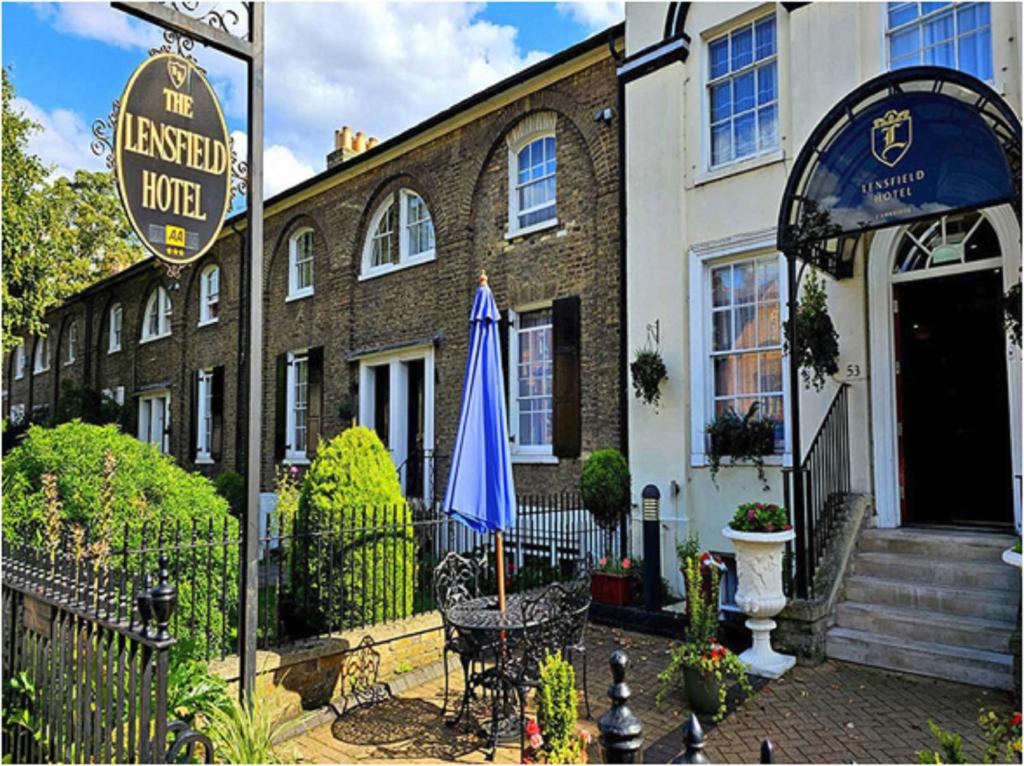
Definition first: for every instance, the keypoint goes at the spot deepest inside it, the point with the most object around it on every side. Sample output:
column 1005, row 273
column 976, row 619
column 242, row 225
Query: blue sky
column 379, row 67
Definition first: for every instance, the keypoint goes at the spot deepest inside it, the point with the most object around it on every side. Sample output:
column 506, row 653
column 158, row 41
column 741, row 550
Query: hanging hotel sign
column 906, row 156
column 172, row 157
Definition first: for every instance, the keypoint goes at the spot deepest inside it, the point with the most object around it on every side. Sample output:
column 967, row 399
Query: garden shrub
column 363, row 569
column 604, row 485
column 81, row 402
column 231, row 486
column 147, row 492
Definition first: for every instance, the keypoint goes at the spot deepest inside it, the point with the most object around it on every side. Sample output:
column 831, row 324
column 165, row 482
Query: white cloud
column 281, row 168
column 98, row 21
column 594, row 15
column 63, row 139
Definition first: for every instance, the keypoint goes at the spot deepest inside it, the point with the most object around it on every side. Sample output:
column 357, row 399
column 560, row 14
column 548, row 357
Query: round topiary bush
column 231, row 486
column 604, row 485
column 149, row 493
column 354, row 560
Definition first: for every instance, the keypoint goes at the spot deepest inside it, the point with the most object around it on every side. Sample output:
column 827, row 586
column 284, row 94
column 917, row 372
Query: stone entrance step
column 958, row 573
column 925, row 625
column 969, row 602
column 935, row 543
column 993, row 670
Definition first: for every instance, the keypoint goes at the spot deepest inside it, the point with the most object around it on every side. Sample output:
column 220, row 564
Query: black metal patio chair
column 454, row 580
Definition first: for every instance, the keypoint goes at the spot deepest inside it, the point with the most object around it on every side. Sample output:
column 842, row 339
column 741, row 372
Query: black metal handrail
column 826, row 483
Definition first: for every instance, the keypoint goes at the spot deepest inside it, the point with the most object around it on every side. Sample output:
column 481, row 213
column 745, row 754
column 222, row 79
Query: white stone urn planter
column 760, row 596
column 1011, row 557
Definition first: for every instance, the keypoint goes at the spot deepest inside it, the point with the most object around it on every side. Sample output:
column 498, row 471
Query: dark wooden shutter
column 281, row 402
column 503, row 333
column 193, row 416
column 217, row 413
column 315, row 409
column 567, row 425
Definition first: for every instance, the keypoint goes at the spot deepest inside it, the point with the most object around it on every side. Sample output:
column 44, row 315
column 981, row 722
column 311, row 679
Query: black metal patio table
column 489, row 634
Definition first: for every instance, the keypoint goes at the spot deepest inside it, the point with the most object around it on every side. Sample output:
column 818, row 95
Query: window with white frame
column 531, row 379
column 297, row 408
column 401, row 234
column 19, row 362
column 536, row 174
column 155, row 419
column 156, row 320
column 744, row 343
column 41, row 363
column 743, row 92
column 209, row 295
column 72, row 344
column 116, row 324
column 954, row 35
column 204, row 415
column 300, row 264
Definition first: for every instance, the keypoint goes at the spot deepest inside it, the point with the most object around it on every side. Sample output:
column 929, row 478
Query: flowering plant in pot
column 759, row 532
column 702, row 664
column 612, row 581
column 553, row 737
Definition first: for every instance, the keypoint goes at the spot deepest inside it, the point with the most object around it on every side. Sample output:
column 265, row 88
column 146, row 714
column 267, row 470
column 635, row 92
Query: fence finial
column 164, row 598
column 144, row 603
column 622, row 733
column 767, row 751
column 693, row 741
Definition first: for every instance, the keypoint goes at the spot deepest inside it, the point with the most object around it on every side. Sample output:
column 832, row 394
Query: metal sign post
column 215, row 27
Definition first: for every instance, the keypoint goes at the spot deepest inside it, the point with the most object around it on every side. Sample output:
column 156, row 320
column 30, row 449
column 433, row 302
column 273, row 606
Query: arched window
column 19, row 361
column 116, row 324
column 300, row 264
column 41, row 363
column 532, row 174
column 401, row 234
column 209, row 294
column 72, row 343
column 156, row 322
column 946, row 241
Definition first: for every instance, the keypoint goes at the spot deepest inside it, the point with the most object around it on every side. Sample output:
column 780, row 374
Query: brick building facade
column 370, row 272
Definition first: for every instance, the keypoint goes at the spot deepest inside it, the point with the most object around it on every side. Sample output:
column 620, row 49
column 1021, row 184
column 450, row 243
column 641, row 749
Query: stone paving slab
column 832, row 713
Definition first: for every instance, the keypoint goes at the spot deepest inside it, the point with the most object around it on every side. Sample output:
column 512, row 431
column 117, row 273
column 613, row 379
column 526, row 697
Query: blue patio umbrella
column 480, row 491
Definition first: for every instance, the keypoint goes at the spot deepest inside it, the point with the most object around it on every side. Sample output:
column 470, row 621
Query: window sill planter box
column 612, row 589
column 1011, row 557
column 759, row 594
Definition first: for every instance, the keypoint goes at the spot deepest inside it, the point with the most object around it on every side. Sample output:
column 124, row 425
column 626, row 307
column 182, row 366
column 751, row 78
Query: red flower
column 532, row 727
column 626, row 563
column 750, row 514
column 1015, row 719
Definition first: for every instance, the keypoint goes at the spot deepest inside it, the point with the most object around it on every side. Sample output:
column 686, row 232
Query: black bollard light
column 651, row 504
column 693, row 741
column 621, row 732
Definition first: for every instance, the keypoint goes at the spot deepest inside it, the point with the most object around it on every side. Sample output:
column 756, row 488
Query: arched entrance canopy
column 907, row 145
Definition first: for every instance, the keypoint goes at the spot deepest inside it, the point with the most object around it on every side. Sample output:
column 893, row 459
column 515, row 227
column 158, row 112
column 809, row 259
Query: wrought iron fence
column 85, row 662
column 826, row 485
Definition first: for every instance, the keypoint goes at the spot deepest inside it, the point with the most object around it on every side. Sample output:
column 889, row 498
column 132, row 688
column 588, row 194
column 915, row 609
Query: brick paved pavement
column 834, row 713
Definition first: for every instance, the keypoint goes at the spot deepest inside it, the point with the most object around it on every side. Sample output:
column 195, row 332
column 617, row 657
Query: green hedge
column 355, row 553
column 149, row 489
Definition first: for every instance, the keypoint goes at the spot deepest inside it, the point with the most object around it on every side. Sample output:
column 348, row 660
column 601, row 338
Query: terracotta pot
column 701, row 690
column 613, row 589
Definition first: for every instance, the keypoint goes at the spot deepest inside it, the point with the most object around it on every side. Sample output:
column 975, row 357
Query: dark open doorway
column 952, row 400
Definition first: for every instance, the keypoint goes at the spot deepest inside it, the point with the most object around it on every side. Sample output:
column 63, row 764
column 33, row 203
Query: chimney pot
column 371, row 142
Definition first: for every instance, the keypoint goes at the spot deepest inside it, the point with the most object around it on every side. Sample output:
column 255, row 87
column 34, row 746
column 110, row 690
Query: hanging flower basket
column 817, row 346
column 648, row 370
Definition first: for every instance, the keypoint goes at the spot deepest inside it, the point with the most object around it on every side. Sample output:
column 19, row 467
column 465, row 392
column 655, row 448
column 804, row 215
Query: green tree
column 59, row 235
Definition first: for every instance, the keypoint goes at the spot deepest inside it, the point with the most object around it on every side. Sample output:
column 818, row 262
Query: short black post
column 693, row 741
column 651, row 503
column 767, row 751
column 621, row 732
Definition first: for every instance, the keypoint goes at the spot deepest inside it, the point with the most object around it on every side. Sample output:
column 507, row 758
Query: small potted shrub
column 604, row 487
column 743, row 438
column 612, row 581
column 759, row 532
column 554, row 736
column 701, row 663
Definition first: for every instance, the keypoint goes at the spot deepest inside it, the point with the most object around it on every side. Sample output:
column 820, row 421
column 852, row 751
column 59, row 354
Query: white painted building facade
column 709, row 142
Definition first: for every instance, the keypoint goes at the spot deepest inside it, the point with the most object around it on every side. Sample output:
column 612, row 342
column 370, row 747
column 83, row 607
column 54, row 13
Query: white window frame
column 115, row 329
column 760, row 155
column 19, row 361
column 72, row 344
column 406, row 259
column 295, row 292
column 208, row 300
column 17, row 414
column 160, row 301
column 293, row 455
column 41, row 362
column 115, row 394
column 535, row 126
column 702, row 259
column 887, row 33
column 146, row 403
column 204, row 416
column 533, row 453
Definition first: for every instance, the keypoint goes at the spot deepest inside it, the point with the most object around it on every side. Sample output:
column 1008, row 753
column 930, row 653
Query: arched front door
column 945, row 379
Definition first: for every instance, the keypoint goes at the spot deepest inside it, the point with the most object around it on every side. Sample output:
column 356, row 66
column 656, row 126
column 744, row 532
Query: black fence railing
column 85, row 667
column 816, row 509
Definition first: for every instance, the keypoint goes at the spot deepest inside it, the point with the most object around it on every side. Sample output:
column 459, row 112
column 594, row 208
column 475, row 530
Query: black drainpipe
column 241, row 384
